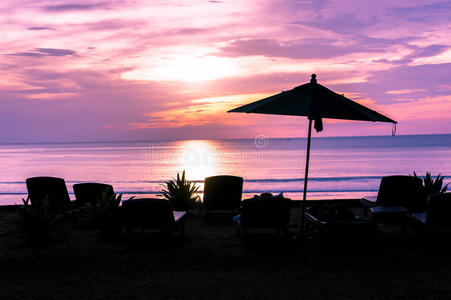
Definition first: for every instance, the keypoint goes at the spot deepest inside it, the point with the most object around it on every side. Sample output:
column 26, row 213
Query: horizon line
column 223, row 139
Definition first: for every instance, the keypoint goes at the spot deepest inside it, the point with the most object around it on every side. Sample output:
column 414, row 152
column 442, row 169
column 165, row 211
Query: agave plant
column 40, row 222
column 104, row 214
column 181, row 193
column 433, row 185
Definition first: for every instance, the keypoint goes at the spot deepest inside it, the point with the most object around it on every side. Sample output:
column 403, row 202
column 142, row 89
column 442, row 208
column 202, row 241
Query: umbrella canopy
column 315, row 102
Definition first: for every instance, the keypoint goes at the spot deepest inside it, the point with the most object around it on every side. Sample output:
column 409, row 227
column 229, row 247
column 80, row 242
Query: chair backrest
column 439, row 211
column 148, row 213
column 401, row 190
column 266, row 212
column 222, row 192
column 52, row 187
column 91, row 192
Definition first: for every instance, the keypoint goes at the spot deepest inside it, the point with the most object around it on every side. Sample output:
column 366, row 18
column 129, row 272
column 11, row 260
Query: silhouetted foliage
column 39, row 220
column 104, row 214
column 181, row 193
column 433, row 185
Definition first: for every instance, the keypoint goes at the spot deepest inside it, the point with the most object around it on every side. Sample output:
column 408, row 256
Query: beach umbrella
column 315, row 102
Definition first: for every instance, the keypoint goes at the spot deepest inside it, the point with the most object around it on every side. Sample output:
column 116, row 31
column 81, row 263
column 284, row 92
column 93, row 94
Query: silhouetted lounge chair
column 222, row 195
column 264, row 213
column 152, row 214
column 91, row 192
column 438, row 214
column 51, row 187
column 397, row 195
column 400, row 191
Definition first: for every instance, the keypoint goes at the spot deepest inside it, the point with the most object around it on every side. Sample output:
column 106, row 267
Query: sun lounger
column 260, row 214
column 90, row 192
column 400, row 191
column 222, row 196
column 51, row 187
column 152, row 214
column 438, row 214
column 397, row 195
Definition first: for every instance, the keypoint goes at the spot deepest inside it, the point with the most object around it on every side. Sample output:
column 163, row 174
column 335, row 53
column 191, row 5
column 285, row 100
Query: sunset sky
column 145, row 70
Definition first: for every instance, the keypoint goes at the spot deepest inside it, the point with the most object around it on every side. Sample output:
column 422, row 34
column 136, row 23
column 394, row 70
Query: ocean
column 340, row 167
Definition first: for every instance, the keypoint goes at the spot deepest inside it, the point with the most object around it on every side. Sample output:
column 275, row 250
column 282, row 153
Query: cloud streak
column 73, row 7
column 38, row 28
column 40, row 52
column 313, row 48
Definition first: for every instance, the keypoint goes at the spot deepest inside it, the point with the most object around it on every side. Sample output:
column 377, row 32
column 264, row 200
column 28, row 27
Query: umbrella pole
column 307, row 160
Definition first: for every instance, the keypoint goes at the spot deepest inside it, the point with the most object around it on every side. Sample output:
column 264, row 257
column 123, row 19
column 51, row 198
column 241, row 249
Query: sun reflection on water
column 198, row 159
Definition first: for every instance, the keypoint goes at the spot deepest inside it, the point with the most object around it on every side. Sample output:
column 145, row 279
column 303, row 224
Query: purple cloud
column 190, row 31
column 41, row 52
column 72, row 7
column 296, row 49
column 113, row 24
column 404, row 77
column 430, row 51
column 434, row 13
column 32, row 54
column 344, row 24
column 40, row 28
column 55, row 52
column 97, row 99
column 418, row 52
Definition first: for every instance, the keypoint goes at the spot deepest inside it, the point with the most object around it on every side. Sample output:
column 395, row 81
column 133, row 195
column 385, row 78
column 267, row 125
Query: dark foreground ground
column 209, row 263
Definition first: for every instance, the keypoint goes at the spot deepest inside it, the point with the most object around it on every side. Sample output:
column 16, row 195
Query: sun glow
column 198, row 159
column 186, row 68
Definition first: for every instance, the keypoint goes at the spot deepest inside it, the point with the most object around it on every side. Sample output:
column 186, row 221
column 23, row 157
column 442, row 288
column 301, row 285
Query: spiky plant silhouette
column 433, row 185
column 180, row 192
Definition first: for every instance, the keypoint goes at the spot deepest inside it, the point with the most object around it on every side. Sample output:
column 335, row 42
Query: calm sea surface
column 346, row 167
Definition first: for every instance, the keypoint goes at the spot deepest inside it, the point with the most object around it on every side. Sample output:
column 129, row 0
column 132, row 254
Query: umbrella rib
column 365, row 110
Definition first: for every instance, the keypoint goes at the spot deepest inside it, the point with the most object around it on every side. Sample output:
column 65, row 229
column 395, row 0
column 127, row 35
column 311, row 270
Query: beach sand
column 209, row 262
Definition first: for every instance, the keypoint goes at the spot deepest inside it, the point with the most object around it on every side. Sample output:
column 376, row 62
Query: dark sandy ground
column 209, row 263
